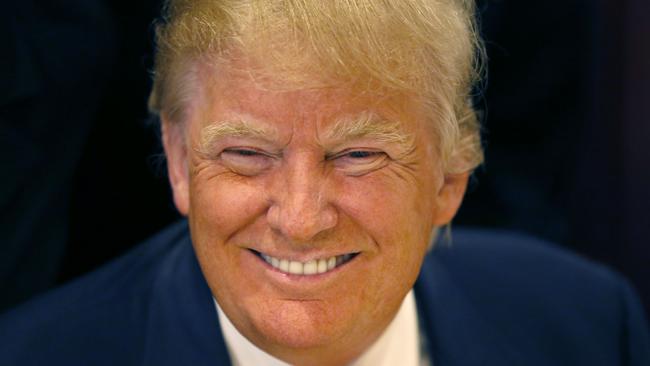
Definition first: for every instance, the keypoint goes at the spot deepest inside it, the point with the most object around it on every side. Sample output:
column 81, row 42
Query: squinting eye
column 360, row 154
column 245, row 161
column 360, row 162
column 242, row 152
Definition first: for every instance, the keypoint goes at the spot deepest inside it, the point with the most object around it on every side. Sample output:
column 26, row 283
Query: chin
column 300, row 325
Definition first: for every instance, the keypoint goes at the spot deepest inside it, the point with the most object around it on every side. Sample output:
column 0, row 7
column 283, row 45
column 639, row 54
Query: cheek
column 397, row 208
column 224, row 204
column 398, row 217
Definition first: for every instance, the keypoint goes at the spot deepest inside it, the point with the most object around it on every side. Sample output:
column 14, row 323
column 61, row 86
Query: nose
column 301, row 206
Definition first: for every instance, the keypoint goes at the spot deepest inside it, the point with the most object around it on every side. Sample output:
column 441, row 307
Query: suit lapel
column 455, row 332
column 183, row 328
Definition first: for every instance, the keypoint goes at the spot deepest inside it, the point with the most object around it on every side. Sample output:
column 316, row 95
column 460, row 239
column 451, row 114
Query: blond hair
column 427, row 50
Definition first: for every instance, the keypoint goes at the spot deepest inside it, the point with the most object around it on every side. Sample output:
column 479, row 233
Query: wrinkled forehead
column 235, row 105
column 245, row 89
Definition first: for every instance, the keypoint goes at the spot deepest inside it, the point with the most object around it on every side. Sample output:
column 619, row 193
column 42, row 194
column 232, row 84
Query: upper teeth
column 311, row 267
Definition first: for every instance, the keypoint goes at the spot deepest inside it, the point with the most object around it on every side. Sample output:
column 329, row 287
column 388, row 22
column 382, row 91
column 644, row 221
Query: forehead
column 226, row 91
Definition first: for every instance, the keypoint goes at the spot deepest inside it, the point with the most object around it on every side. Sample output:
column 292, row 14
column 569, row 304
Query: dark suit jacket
column 488, row 299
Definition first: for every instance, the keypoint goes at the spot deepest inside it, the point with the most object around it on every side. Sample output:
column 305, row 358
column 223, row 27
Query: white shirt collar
column 398, row 345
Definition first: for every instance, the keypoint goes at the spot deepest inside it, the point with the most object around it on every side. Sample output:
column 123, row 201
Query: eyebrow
column 364, row 125
column 369, row 125
column 233, row 128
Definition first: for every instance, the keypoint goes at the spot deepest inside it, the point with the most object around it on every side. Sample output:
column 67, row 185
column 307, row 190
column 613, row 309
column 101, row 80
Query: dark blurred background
column 567, row 131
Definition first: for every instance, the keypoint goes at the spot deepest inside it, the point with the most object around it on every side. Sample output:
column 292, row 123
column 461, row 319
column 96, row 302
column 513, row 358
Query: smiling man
column 304, row 143
column 316, row 147
column 297, row 199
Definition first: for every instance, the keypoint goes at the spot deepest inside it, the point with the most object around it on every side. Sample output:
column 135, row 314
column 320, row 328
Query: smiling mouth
column 309, row 268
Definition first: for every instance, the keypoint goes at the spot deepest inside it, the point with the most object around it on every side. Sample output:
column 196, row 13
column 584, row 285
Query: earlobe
column 177, row 170
column 449, row 198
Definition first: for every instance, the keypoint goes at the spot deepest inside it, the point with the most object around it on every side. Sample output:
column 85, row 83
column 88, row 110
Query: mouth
column 309, row 268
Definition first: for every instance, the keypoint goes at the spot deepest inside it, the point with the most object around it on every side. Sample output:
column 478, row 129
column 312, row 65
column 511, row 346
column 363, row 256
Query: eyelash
column 243, row 152
column 357, row 154
column 251, row 162
column 362, row 154
column 354, row 154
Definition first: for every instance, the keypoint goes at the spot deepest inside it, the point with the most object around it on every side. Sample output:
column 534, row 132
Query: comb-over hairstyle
column 424, row 50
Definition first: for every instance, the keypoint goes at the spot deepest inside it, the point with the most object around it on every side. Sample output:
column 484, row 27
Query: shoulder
column 521, row 262
column 105, row 309
column 544, row 298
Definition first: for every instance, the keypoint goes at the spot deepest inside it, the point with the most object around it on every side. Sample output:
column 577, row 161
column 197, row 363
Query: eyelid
column 253, row 150
column 242, row 149
column 356, row 167
column 246, row 161
column 372, row 152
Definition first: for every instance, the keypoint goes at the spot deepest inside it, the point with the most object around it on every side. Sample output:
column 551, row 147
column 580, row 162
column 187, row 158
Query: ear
column 173, row 138
column 450, row 196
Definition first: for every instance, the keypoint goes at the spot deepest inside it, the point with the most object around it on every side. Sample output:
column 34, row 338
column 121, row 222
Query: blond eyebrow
column 369, row 125
column 233, row 128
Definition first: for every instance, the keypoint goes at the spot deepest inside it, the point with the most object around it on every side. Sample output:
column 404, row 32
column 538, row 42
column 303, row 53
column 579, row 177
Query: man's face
column 310, row 211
